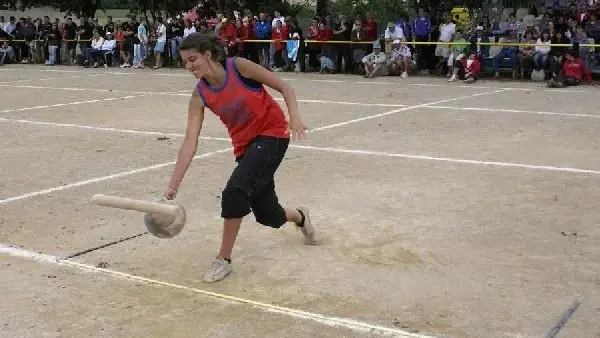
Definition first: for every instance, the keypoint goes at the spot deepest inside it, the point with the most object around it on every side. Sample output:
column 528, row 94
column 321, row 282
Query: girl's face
column 321, row 26
column 195, row 62
column 545, row 35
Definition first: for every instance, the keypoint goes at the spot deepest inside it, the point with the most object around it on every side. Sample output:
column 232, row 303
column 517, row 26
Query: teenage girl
column 233, row 89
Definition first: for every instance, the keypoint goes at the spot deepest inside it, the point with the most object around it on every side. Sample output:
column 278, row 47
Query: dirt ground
column 442, row 210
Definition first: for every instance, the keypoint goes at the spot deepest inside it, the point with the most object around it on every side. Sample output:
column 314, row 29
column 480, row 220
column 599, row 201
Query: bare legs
column 231, row 228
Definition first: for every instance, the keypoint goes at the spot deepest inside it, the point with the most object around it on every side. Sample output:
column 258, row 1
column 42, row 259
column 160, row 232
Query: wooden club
column 164, row 219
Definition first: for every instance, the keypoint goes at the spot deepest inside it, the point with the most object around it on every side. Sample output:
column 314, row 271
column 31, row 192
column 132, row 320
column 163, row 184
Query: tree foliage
column 382, row 10
column 205, row 8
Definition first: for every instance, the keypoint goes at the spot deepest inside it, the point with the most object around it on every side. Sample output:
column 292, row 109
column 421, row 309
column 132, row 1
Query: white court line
column 513, row 111
column 79, row 89
column 186, row 93
column 413, row 84
column 40, row 69
column 51, row 78
column 448, row 159
column 69, row 104
column 328, row 149
column 103, row 178
column 176, row 73
column 423, row 105
column 346, row 323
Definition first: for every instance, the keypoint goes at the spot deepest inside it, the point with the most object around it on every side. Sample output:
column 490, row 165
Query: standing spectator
column 10, row 27
column 391, row 34
column 129, row 31
column 343, row 51
column 262, row 31
column 229, row 36
column 85, row 32
column 447, row 31
column 313, row 49
column 161, row 40
column 71, row 36
column 189, row 28
column 421, row 33
column 279, row 34
column 140, row 47
column 175, row 35
column 297, row 44
column 110, row 25
column 371, row 31
column 244, row 33
column 53, row 40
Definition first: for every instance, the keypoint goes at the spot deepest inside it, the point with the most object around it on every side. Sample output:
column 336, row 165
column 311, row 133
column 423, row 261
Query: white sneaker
column 219, row 269
column 452, row 78
column 404, row 75
column 307, row 230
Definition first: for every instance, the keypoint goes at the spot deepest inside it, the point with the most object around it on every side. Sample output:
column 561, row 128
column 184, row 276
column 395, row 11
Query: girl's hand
column 170, row 193
column 297, row 128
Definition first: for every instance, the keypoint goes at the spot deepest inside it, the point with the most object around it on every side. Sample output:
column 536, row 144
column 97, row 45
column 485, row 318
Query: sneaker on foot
column 307, row 229
column 219, row 269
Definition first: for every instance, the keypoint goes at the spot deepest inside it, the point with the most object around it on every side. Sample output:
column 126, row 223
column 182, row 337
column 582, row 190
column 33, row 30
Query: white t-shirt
column 397, row 34
column 188, row 31
column 162, row 29
column 446, row 31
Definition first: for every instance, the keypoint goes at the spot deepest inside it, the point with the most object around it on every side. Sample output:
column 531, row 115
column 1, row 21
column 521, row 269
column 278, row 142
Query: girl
column 233, row 88
column 540, row 53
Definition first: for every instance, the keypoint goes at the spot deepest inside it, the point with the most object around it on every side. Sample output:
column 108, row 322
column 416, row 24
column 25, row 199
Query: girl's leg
column 250, row 190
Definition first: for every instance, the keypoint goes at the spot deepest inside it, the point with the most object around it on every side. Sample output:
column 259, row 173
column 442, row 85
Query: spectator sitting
column 7, row 55
column 400, row 58
column 555, row 57
column 526, row 53
column 96, row 47
column 467, row 69
column 507, row 52
column 457, row 51
column 375, row 63
column 108, row 46
column 573, row 72
column 540, row 54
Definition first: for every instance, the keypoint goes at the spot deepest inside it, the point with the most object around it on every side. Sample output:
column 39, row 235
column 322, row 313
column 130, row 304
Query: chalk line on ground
column 449, row 159
column 347, row 323
column 422, row 105
column 514, row 111
column 329, row 149
column 186, row 93
column 103, row 178
column 69, row 103
column 176, row 73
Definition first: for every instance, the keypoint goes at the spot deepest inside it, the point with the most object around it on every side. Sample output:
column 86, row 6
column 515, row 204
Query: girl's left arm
column 258, row 73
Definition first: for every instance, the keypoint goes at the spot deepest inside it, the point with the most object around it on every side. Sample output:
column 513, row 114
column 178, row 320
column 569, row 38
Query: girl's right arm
column 188, row 148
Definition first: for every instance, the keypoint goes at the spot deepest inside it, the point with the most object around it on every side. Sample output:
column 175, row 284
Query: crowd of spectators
column 376, row 50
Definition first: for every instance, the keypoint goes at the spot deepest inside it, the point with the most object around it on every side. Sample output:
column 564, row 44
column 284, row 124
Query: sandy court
column 443, row 210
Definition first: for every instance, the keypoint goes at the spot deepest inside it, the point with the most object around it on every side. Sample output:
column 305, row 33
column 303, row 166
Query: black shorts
column 251, row 187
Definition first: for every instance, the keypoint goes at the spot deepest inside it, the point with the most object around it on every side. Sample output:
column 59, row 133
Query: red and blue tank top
column 245, row 108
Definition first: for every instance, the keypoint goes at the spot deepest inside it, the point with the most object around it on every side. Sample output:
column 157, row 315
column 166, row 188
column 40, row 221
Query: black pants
column 251, row 187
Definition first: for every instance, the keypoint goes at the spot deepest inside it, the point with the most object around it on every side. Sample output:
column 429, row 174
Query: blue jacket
column 421, row 26
column 262, row 29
